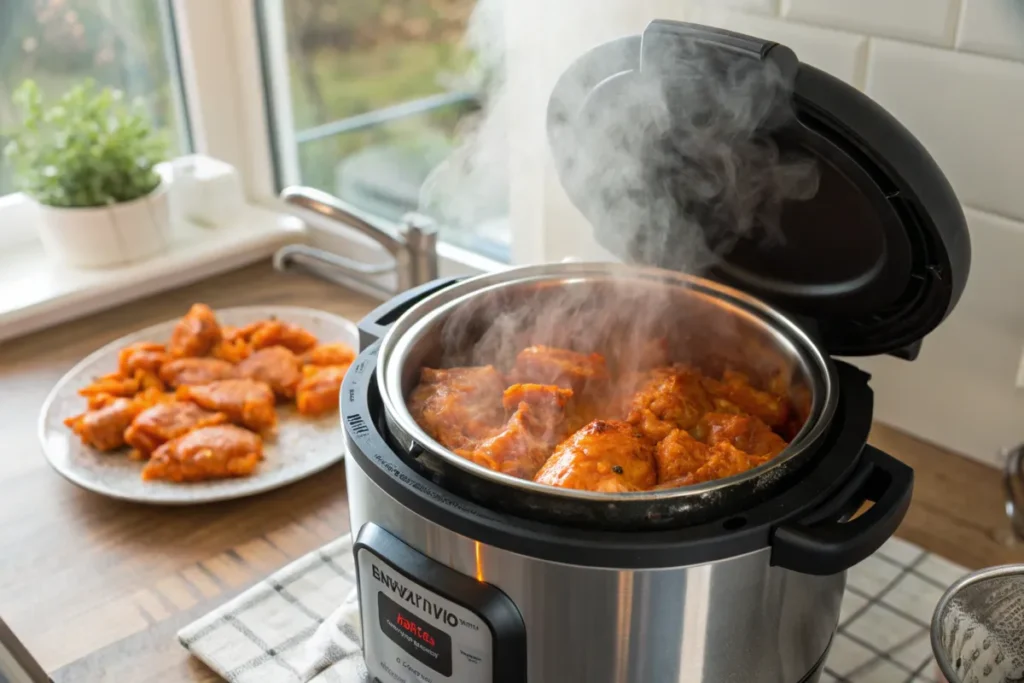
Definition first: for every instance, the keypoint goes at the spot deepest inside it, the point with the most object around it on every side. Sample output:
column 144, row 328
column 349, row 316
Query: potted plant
column 89, row 162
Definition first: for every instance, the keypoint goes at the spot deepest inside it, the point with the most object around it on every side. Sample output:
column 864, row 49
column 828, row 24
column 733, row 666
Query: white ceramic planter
column 103, row 236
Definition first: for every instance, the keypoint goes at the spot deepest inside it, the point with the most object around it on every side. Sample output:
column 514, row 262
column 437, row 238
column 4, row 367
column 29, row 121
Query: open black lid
column 844, row 218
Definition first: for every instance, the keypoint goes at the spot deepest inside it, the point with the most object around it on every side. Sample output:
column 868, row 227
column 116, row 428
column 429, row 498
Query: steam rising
column 673, row 164
column 683, row 166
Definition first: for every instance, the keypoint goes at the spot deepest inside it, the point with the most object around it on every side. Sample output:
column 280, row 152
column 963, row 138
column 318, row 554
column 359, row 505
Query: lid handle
column 673, row 52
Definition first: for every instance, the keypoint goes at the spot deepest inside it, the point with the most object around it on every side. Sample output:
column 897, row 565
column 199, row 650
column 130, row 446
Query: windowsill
column 36, row 293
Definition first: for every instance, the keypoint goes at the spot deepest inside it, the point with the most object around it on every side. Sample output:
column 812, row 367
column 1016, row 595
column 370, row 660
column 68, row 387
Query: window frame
column 223, row 50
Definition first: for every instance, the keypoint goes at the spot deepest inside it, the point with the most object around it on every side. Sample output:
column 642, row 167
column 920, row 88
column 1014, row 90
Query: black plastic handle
column 375, row 324
column 824, row 543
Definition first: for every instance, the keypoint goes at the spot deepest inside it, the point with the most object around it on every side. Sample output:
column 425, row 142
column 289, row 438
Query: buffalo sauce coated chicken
column 609, row 456
column 459, row 406
column 565, row 419
column 201, row 405
column 536, row 424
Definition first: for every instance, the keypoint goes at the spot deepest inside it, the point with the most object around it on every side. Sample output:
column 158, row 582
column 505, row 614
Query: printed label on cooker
column 423, row 641
column 415, row 635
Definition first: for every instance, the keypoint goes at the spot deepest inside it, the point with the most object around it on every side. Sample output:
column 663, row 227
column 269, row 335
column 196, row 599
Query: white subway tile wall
column 837, row 52
column 764, row 6
column 966, row 109
column 928, row 21
column 952, row 71
column 994, row 27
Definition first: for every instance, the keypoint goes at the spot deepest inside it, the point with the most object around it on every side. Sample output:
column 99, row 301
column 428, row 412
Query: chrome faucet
column 412, row 244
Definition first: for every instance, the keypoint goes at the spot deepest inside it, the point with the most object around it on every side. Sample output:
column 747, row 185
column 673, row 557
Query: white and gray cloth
column 301, row 625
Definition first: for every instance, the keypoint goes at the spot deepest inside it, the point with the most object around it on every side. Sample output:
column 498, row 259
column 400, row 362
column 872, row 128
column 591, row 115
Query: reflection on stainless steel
column 412, row 244
column 733, row 621
column 1014, row 477
column 738, row 323
column 978, row 627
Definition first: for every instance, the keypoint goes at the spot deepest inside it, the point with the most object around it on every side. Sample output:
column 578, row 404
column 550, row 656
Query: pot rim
column 395, row 345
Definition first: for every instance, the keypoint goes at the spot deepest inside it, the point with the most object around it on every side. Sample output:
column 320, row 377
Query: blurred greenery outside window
column 382, row 92
column 125, row 44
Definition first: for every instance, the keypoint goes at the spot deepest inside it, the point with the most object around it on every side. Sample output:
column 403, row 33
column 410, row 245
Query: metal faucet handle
column 420, row 233
column 412, row 245
column 338, row 211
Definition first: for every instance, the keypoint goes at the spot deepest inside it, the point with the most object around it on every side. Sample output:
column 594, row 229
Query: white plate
column 303, row 445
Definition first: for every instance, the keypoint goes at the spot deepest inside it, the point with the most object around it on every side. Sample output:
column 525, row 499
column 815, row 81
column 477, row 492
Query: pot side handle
column 827, row 541
column 376, row 323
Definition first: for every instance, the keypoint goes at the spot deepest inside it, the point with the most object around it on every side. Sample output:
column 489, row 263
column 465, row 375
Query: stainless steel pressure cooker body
column 651, row 586
column 470, row 575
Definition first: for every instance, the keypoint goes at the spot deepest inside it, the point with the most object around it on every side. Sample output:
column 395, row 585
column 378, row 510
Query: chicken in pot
column 568, row 419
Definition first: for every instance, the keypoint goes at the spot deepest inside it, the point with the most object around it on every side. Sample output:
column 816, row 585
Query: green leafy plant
column 91, row 148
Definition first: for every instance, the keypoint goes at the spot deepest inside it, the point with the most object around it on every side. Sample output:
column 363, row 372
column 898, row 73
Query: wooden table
column 96, row 588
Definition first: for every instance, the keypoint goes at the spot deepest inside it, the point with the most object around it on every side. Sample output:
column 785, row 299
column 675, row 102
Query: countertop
column 95, row 589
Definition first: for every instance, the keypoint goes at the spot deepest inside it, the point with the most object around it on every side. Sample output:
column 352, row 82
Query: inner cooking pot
column 616, row 310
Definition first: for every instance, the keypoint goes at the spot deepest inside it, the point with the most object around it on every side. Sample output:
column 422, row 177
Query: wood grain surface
column 79, row 572
column 96, row 589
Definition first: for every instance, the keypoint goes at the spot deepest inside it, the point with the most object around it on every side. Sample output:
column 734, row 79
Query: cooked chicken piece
column 144, row 399
column 182, row 371
column 679, row 454
column 459, row 406
column 244, row 401
column 745, row 432
column 266, row 333
column 116, row 384
column 582, row 410
column 213, row 452
column 529, row 436
column 196, row 333
column 319, row 389
column 724, row 460
column 147, row 398
column 274, row 365
column 97, row 401
column 337, row 353
column 608, row 456
column 565, row 368
column 147, row 356
column 103, row 428
column 672, row 398
column 735, row 388
column 232, row 349
column 159, row 424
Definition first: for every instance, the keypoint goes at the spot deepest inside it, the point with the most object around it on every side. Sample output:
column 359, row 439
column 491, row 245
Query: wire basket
column 978, row 627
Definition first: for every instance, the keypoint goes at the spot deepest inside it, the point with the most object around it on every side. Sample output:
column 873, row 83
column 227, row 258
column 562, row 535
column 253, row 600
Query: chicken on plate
column 198, row 406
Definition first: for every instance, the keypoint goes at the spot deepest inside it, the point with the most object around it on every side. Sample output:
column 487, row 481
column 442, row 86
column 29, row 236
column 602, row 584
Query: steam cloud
column 672, row 166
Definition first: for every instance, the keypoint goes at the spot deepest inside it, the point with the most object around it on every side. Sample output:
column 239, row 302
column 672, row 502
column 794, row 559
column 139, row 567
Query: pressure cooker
column 467, row 574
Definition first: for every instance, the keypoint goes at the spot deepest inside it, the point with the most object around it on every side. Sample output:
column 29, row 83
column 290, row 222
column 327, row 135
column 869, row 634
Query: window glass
column 381, row 93
column 124, row 44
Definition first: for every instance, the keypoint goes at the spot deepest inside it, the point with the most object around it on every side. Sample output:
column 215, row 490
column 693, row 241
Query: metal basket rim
column 940, row 609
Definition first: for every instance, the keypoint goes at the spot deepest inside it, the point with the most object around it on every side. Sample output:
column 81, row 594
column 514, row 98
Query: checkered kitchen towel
column 302, row 624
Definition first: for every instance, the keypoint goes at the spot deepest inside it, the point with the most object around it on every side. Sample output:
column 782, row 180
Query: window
column 125, row 44
column 368, row 99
